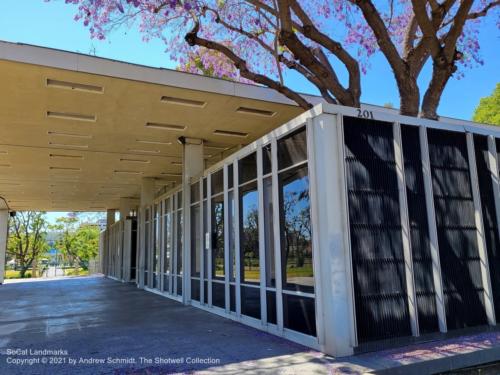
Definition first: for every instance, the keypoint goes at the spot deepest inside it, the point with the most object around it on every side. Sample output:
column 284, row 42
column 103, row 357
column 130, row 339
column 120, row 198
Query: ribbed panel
column 419, row 231
column 457, row 237
column 489, row 215
column 375, row 227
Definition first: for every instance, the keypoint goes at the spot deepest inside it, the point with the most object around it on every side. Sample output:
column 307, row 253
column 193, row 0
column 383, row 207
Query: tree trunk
column 409, row 94
column 432, row 97
column 23, row 270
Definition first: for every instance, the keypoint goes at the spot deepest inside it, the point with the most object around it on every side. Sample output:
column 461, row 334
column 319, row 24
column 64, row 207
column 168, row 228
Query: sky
column 51, row 24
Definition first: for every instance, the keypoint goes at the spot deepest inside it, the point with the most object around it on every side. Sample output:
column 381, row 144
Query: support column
column 127, row 205
column 110, row 217
column 147, row 198
column 481, row 239
column 192, row 166
column 4, row 232
column 331, row 249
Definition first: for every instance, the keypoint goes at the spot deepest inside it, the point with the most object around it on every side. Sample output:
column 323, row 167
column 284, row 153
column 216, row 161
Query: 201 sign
column 365, row 114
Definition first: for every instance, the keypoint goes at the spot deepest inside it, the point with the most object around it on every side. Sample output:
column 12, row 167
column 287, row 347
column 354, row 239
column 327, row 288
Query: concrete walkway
column 92, row 325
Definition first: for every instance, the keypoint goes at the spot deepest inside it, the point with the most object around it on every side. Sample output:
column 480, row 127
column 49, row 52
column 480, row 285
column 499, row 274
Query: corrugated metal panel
column 454, row 206
column 489, row 216
column 375, row 226
column 419, row 231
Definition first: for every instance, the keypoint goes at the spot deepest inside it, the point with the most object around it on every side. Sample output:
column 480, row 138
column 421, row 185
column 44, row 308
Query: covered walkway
column 96, row 318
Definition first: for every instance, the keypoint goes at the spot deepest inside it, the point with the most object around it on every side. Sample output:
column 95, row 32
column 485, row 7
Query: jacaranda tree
column 329, row 42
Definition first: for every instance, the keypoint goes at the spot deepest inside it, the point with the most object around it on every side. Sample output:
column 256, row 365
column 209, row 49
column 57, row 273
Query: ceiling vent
column 135, row 161
column 157, row 125
column 153, row 142
column 255, row 112
column 127, row 172
column 184, row 102
column 230, row 133
column 57, row 84
column 65, row 169
column 71, row 116
column 144, row 151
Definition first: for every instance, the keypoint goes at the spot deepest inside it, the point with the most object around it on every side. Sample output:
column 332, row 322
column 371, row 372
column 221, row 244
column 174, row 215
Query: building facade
column 339, row 229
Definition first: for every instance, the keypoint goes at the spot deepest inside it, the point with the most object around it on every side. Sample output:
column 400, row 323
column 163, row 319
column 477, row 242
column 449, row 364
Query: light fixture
column 184, row 102
column 230, row 133
column 135, row 161
column 71, row 116
column 66, row 156
column 144, row 151
column 73, row 135
column 54, row 144
column 255, row 112
column 157, row 125
column 65, row 169
column 55, row 83
column 153, row 142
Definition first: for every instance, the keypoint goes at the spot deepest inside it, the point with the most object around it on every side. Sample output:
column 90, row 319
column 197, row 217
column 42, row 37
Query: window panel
column 218, row 270
column 299, row 314
column 217, row 182
column 250, row 301
column 296, row 230
column 266, row 159
column 271, row 306
column 292, row 149
column 195, row 240
column 195, row 192
column 249, row 234
column 269, row 233
column 247, row 168
column 218, row 295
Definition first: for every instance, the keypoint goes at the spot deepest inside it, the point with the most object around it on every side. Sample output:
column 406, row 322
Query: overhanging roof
column 79, row 132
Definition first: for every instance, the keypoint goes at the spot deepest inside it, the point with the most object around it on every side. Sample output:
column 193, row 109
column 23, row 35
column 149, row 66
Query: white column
column 405, row 229
column 147, row 197
column 481, row 239
column 331, row 256
column 4, row 232
column 127, row 205
column 433, row 236
column 110, row 217
column 192, row 166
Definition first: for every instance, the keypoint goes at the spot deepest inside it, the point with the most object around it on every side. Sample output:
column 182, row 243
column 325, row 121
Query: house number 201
column 365, row 114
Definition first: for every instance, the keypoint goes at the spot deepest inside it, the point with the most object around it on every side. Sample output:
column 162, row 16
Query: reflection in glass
column 292, row 149
column 217, row 182
column 232, row 255
column 167, row 232
column 147, row 235
column 249, row 233
column 195, row 240
column 268, row 232
column 296, row 230
column 247, row 168
column 218, row 237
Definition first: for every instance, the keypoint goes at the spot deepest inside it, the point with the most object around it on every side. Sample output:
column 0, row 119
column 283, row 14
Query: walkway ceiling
column 77, row 133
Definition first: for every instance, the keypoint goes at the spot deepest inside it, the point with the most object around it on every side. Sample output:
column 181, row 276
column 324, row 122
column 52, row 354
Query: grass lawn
column 75, row 272
column 13, row 274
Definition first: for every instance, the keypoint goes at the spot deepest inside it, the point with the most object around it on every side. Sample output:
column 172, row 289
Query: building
column 338, row 228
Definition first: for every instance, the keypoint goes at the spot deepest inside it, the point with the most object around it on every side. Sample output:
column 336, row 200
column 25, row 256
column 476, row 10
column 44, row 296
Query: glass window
column 205, row 231
column 269, row 233
column 250, row 301
column 247, row 168
column 195, row 192
column 195, row 240
column 218, row 237
column 292, row 149
column 296, row 230
column 217, row 182
column 204, row 187
column 271, row 306
column 249, row 233
column 230, row 177
column 167, row 235
column 232, row 255
column 179, row 242
column 299, row 314
column 179, row 199
column 195, row 289
column 266, row 159
column 218, row 295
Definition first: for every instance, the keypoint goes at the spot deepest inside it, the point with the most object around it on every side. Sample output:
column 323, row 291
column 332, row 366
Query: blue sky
column 51, row 24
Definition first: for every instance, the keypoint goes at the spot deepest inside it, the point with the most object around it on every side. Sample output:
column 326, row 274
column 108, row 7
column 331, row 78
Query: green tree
column 78, row 242
column 27, row 233
column 488, row 110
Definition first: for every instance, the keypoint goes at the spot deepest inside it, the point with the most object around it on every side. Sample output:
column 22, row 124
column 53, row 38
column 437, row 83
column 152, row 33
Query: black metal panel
column 489, row 215
column 218, row 295
column 375, row 228
column 195, row 289
column 250, row 301
column 457, row 237
column 419, row 231
column 299, row 314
